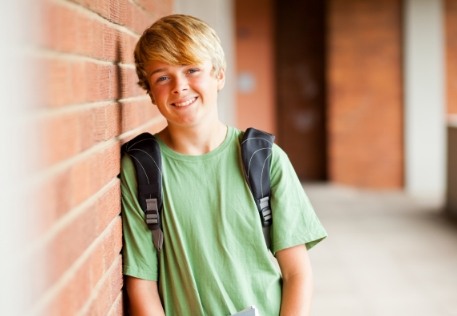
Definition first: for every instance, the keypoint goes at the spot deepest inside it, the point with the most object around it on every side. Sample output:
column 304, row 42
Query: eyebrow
column 156, row 71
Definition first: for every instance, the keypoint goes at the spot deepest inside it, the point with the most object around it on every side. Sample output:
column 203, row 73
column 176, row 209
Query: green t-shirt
column 215, row 261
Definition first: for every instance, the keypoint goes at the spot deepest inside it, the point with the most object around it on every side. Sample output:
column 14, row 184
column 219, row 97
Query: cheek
column 198, row 83
column 208, row 85
column 152, row 97
column 157, row 93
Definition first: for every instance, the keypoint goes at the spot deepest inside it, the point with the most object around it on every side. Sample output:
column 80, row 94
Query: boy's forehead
column 154, row 64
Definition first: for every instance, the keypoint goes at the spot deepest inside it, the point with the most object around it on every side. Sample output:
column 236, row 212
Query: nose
column 181, row 84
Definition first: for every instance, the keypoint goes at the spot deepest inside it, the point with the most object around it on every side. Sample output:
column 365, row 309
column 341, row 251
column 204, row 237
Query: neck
column 194, row 140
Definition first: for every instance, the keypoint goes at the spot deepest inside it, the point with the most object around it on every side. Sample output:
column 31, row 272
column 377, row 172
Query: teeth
column 188, row 102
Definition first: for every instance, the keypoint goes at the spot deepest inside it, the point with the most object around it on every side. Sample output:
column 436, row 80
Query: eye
column 193, row 70
column 161, row 79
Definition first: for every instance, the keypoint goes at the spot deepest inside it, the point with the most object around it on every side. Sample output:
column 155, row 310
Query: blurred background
column 361, row 94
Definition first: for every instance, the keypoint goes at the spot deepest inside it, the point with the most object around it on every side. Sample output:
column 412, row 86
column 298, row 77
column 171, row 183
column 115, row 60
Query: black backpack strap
column 145, row 154
column 256, row 155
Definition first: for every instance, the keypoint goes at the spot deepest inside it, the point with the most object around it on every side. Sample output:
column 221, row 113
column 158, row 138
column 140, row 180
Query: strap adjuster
column 152, row 213
column 153, row 221
column 265, row 213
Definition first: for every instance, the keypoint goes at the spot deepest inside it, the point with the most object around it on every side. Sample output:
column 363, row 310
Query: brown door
column 300, row 74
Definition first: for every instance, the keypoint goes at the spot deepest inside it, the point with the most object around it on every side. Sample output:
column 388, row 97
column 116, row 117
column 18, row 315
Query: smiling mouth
column 185, row 103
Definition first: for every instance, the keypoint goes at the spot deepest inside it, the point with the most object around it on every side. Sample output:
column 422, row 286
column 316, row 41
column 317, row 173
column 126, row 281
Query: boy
column 214, row 260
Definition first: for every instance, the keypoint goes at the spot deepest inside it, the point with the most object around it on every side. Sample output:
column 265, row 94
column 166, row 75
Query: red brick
column 365, row 93
column 72, row 241
column 121, row 12
column 136, row 113
column 101, row 266
column 71, row 133
column 78, row 81
column 88, row 100
column 92, row 173
column 80, row 33
column 71, row 186
column 157, row 6
column 76, row 235
column 256, row 18
column 451, row 55
column 102, row 301
column 81, row 81
column 117, row 309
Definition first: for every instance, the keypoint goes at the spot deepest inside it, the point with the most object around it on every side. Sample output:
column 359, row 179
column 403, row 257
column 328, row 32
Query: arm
column 297, row 281
column 144, row 297
column 138, row 253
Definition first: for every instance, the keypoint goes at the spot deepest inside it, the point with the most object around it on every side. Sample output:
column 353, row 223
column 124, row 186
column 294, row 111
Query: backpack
column 144, row 151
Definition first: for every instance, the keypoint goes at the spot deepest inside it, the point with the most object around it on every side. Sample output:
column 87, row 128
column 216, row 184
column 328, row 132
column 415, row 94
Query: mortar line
column 57, row 286
column 82, row 9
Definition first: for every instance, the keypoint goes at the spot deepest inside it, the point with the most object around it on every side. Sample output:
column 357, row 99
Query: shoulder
column 278, row 156
column 127, row 164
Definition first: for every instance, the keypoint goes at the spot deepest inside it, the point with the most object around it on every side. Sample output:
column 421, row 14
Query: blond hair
column 178, row 40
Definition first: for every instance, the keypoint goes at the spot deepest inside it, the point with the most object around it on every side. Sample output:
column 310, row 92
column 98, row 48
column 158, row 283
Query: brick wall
column 451, row 54
column 364, row 76
column 254, row 34
column 90, row 104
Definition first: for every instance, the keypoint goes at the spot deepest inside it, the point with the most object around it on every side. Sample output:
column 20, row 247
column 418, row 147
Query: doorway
column 300, row 84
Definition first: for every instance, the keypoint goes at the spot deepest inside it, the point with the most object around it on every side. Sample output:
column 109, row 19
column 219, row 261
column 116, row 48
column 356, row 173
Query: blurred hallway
column 387, row 254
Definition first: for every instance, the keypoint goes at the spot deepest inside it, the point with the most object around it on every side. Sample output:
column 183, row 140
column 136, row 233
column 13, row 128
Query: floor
column 387, row 254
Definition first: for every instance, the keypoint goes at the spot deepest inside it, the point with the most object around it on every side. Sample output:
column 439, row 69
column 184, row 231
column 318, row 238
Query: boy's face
column 185, row 95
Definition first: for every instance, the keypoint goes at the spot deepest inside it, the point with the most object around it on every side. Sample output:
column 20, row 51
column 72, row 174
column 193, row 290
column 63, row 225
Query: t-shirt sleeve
column 138, row 252
column 294, row 219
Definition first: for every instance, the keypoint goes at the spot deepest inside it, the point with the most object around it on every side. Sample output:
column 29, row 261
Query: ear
column 220, row 79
